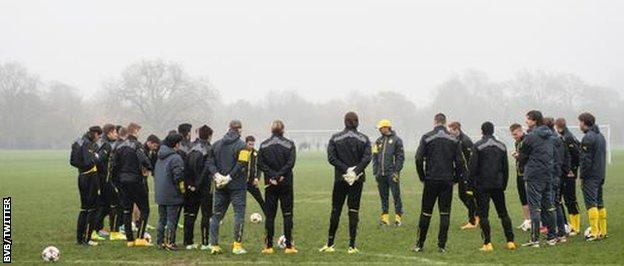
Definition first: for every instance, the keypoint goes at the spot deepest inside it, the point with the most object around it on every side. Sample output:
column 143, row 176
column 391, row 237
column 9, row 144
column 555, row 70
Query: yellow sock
column 575, row 222
column 602, row 221
column 593, row 220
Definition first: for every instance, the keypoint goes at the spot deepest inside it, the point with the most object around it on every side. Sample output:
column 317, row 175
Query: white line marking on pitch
column 423, row 260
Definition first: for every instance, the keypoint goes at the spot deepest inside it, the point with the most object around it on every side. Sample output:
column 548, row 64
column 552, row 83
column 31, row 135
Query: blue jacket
column 537, row 155
column 593, row 154
column 169, row 177
column 229, row 157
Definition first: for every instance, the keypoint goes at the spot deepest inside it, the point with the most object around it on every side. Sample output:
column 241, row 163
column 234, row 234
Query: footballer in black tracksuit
column 346, row 149
column 277, row 157
column 520, row 175
column 198, row 193
column 489, row 173
column 109, row 199
column 465, row 195
column 438, row 163
column 568, row 183
column 86, row 160
column 130, row 162
column 251, row 171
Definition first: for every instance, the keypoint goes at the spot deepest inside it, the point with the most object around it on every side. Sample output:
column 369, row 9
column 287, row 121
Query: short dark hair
column 235, row 124
column 487, row 128
column 351, row 120
column 95, row 129
column 549, row 122
column 107, row 128
column 455, row 125
column 250, row 138
column 173, row 139
column 560, row 122
column 153, row 138
column 440, row 118
column 133, row 127
column 204, row 132
column 184, row 129
column 587, row 119
column 536, row 116
column 514, row 126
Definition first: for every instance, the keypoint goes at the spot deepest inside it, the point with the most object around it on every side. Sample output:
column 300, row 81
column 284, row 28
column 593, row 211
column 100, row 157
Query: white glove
column 218, row 178
column 350, row 176
column 226, row 180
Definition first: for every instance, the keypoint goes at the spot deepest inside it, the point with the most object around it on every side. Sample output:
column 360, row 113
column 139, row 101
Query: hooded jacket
column 277, row 156
column 537, row 155
column 228, row 156
column 593, row 154
column 438, row 157
column 349, row 148
column 489, row 167
column 388, row 155
column 168, row 177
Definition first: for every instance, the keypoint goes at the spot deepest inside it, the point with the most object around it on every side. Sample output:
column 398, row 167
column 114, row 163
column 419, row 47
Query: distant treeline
column 160, row 95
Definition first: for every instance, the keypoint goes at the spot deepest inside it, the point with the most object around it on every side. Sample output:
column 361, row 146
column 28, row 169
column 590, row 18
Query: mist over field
column 66, row 65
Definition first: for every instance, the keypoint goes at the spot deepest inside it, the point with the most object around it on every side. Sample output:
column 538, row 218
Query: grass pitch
column 45, row 204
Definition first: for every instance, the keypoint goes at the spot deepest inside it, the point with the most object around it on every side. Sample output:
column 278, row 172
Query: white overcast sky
column 323, row 49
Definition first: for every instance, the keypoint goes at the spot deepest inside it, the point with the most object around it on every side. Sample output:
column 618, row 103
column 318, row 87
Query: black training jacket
column 105, row 164
column 562, row 157
column 466, row 150
column 537, row 155
column 195, row 164
column 439, row 156
column 276, row 158
column 519, row 163
column 593, row 154
column 489, row 167
column 130, row 159
column 349, row 148
column 573, row 147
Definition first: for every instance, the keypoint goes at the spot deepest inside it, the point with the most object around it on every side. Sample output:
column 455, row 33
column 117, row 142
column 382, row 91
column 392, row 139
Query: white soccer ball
column 147, row 237
column 281, row 242
column 587, row 232
column 50, row 254
column 255, row 218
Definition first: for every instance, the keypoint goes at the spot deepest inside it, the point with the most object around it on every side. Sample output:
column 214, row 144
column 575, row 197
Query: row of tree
column 160, row 95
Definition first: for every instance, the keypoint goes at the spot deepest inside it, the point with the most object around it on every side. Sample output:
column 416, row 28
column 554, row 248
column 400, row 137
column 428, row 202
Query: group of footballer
column 200, row 177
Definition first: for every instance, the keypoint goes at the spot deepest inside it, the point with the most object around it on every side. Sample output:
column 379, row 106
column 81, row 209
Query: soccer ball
column 255, row 218
column 281, row 242
column 50, row 254
column 147, row 237
column 587, row 232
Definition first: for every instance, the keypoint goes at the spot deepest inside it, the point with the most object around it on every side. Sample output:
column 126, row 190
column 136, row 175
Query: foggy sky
column 323, row 49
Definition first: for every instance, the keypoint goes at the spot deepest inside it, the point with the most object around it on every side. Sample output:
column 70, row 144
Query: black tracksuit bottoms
column 442, row 192
column 284, row 195
column 352, row 194
column 88, row 185
column 483, row 209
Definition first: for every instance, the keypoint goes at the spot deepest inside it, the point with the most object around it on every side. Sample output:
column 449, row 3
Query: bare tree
column 160, row 94
column 20, row 105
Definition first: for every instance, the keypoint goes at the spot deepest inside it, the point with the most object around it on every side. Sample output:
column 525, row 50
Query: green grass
column 45, row 206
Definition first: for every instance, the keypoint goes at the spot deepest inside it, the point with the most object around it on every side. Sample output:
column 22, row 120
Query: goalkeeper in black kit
column 349, row 151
